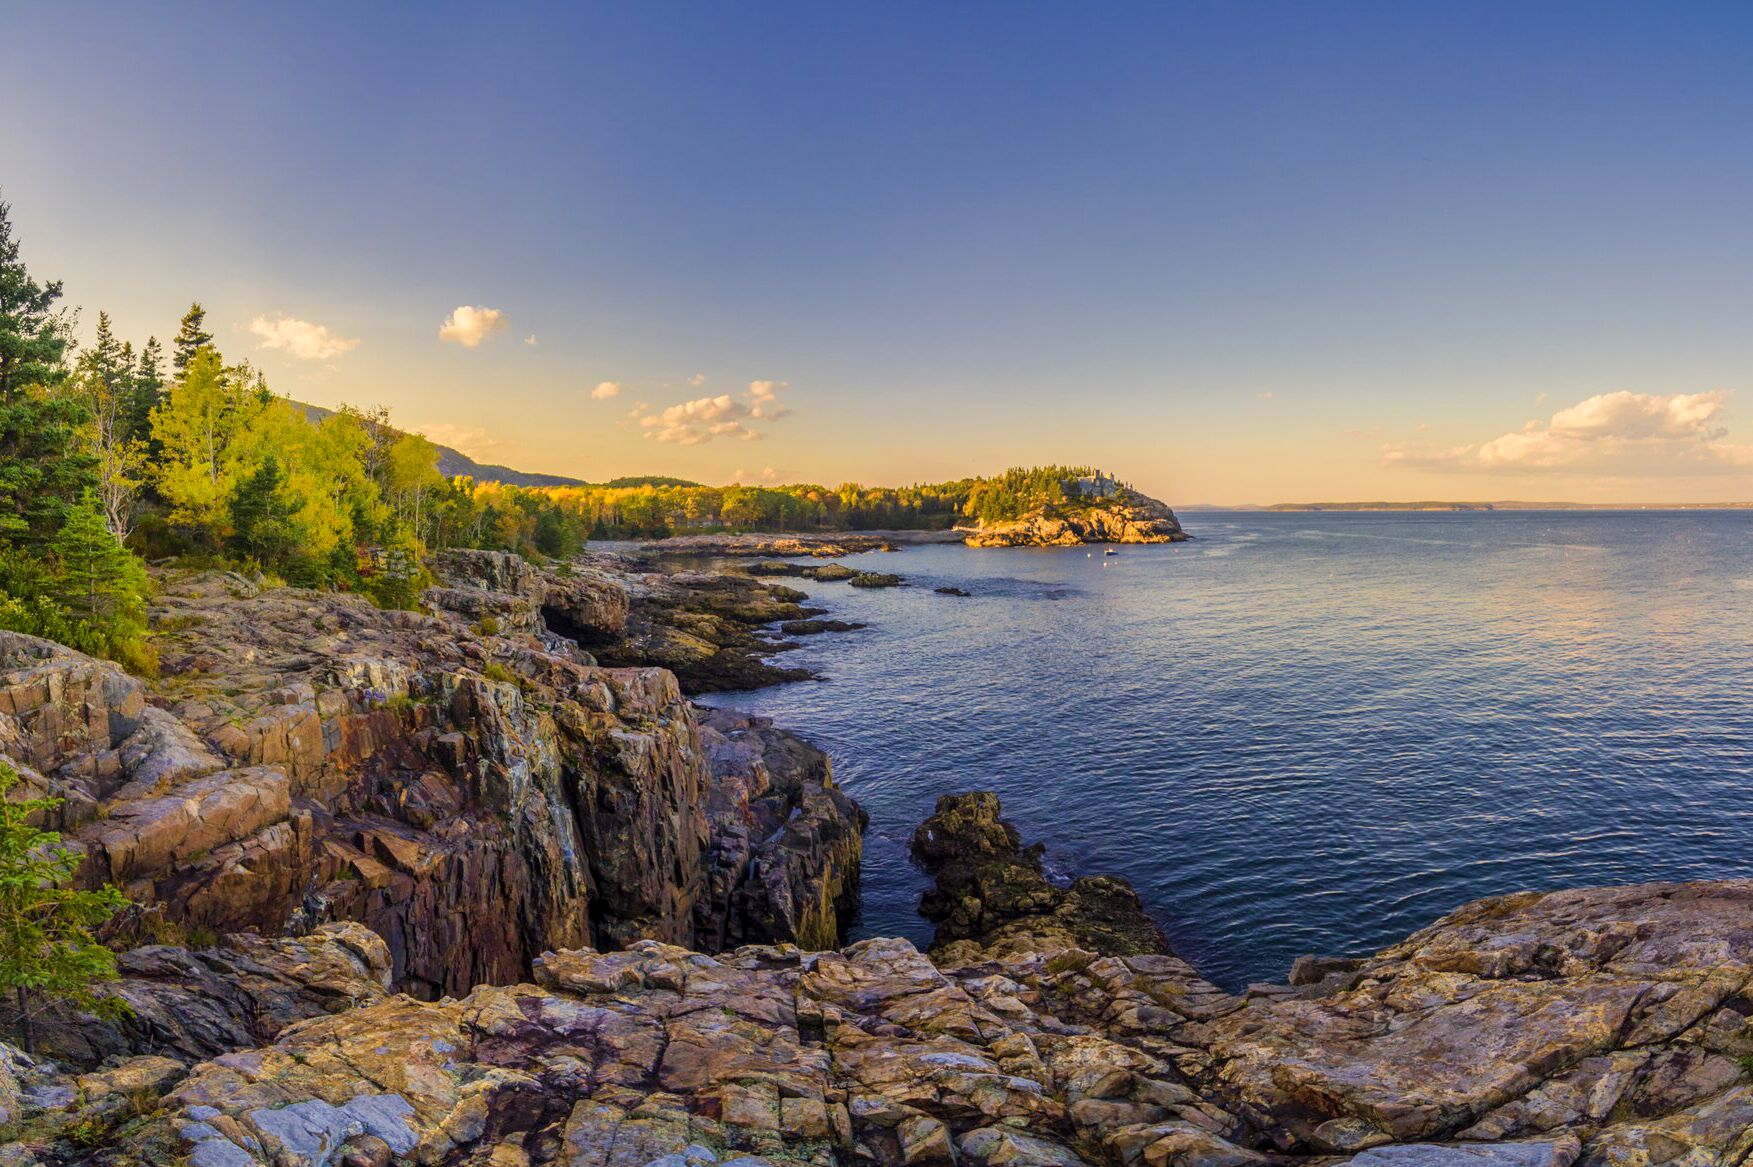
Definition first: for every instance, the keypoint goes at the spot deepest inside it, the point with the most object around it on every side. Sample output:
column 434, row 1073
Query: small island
column 1050, row 509
column 1038, row 506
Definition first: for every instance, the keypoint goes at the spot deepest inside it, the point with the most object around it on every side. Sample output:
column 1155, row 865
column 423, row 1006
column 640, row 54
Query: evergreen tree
column 106, row 358
column 146, row 389
column 44, row 464
column 192, row 336
column 261, row 525
column 96, row 578
column 48, row 948
column 33, row 335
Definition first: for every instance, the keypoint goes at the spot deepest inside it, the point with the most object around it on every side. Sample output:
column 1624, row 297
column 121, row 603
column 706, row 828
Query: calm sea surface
column 1309, row 732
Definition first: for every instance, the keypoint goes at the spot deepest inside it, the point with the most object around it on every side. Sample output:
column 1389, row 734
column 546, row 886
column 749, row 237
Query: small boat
column 1110, row 551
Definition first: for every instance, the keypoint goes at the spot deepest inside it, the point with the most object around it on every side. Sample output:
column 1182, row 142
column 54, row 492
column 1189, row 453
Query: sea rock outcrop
column 473, row 793
column 786, row 843
column 708, row 628
column 1125, row 518
column 828, row 545
column 991, row 895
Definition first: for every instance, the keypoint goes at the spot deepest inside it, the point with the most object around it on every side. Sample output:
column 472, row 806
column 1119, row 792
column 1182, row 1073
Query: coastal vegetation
column 658, row 507
column 48, row 945
column 115, row 454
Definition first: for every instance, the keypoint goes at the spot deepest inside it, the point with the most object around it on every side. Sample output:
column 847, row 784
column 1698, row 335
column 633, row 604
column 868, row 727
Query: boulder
column 992, row 893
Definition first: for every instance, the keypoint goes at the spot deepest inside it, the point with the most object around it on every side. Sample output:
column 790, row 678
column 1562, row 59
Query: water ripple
column 1321, row 744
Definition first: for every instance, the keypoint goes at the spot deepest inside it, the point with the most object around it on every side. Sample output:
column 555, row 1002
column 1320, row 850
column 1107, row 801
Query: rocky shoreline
column 1133, row 518
column 480, row 887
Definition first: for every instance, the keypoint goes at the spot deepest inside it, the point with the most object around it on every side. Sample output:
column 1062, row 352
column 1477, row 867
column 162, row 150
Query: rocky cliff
column 1124, row 518
column 401, row 801
column 465, row 782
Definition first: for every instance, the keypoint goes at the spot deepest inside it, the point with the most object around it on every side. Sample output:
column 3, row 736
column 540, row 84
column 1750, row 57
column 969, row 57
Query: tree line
column 113, row 454
column 657, row 508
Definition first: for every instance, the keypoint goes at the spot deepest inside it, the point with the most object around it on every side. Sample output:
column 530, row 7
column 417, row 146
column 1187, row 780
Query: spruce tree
column 108, row 357
column 96, row 578
column 260, row 516
column 192, row 336
column 33, row 335
column 146, row 389
column 48, row 946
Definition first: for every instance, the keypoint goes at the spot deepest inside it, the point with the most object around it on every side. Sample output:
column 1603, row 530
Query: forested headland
column 114, row 454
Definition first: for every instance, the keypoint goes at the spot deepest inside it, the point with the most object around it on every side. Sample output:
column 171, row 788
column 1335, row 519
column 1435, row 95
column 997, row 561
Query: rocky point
column 442, row 889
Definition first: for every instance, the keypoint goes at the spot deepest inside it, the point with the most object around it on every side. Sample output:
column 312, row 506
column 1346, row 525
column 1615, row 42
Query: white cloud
column 1622, row 434
column 697, row 380
column 301, row 338
column 606, row 390
column 469, row 326
column 471, row 440
column 723, row 416
column 763, row 402
column 530, row 339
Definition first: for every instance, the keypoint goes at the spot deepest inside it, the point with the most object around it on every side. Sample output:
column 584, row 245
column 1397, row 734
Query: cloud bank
column 694, row 422
column 1622, row 434
column 301, row 338
column 469, row 326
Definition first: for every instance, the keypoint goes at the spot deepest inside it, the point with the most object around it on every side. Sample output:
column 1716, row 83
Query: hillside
column 453, row 463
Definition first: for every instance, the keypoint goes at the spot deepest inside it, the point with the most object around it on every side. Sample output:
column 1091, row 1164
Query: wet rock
column 992, row 893
column 815, row 627
column 874, row 579
column 786, row 842
column 950, row 591
column 827, row 546
column 706, row 628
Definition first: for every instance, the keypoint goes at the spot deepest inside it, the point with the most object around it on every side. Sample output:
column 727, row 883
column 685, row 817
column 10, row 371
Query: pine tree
column 147, row 389
column 43, row 466
column 48, row 948
column 260, row 517
column 96, row 578
column 191, row 337
column 33, row 335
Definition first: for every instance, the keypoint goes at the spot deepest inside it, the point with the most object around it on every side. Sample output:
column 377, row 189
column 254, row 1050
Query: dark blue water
column 1310, row 732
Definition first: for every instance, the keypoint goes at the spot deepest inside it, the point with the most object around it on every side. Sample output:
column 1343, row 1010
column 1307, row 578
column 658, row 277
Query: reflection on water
column 1310, row 732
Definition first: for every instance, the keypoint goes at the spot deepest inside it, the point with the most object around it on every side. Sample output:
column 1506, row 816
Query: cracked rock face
column 473, row 795
column 240, row 992
column 1591, row 1027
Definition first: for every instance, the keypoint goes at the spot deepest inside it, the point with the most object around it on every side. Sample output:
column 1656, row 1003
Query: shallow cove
column 1308, row 732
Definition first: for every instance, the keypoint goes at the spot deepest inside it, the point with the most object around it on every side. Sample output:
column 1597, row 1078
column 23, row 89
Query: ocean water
column 1309, row 733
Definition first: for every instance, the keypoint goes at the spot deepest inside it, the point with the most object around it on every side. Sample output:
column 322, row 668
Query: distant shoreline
column 1465, row 507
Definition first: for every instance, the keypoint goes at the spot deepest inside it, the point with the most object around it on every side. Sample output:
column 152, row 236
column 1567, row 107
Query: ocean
column 1307, row 732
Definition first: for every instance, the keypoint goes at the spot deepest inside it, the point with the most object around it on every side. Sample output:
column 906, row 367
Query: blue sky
column 1238, row 252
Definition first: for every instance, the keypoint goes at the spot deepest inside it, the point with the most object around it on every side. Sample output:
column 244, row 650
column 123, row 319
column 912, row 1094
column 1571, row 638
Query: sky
column 1236, row 253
